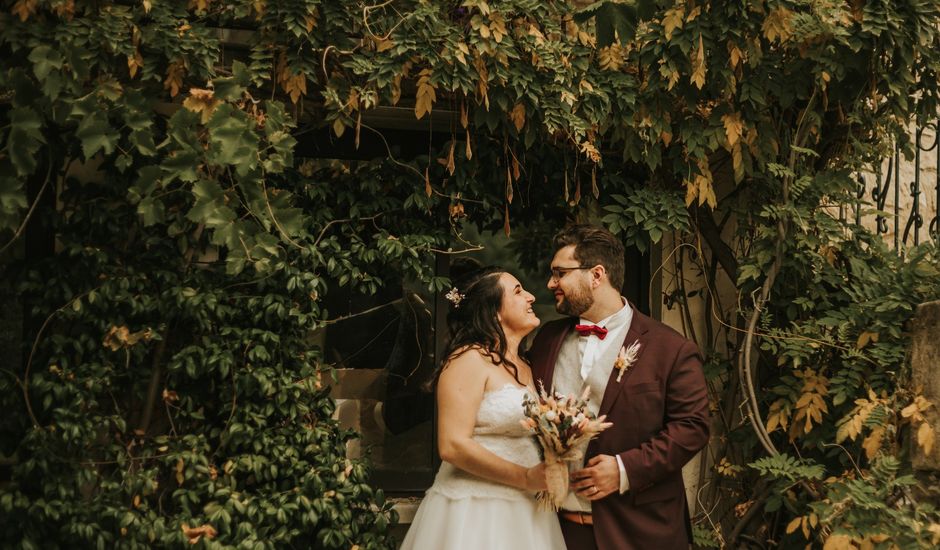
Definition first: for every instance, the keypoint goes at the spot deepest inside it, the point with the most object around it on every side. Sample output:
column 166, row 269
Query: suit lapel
column 639, row 326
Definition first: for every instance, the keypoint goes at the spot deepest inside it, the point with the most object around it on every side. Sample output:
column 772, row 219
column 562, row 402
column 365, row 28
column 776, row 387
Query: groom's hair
column 594, row 246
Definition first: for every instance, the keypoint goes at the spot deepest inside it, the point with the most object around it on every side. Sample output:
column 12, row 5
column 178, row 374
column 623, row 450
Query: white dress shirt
column 592, row 347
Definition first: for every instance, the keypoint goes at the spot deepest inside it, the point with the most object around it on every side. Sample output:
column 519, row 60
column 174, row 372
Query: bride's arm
column 459, row 394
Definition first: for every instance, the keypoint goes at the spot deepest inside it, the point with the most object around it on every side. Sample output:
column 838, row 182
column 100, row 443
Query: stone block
column 925, row 364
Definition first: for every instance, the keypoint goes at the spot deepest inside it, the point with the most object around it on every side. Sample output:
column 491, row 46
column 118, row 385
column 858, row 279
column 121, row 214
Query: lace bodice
column 499, row 430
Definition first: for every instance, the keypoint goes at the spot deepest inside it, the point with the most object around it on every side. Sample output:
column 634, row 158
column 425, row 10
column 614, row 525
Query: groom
column 629, row 493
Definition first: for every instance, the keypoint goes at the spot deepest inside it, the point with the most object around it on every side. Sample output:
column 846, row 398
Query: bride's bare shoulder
column 468, row 361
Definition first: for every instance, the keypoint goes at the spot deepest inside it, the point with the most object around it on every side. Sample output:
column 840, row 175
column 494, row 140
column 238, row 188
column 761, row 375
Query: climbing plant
column 181, row 246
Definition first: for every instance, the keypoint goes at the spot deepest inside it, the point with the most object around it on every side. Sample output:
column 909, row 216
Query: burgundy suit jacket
column 660, row 414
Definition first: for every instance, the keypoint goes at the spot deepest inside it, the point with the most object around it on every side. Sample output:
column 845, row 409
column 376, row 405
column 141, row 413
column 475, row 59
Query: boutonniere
column 626, row 358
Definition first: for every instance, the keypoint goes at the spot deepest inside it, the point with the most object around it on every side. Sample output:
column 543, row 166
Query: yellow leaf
column 691, row 192
column 872, row 443
column 518, row 116
column 922, row 403
column 706, row 193
column 934, row 529
column 909, row 410
column 179, row 471
column 839, row 542
column 426, row 94
column 698, row 65
column 734, row 128
column 483, row 81
column 199, row 5
column 339, row 127
column 134, row 62
column 396, row 89
column 174, row 77
column 468, row 152
column 383, row 44
column 777, row 25
column 590, row 151
column 672, row 20
column 610, row 58
column 462, row 52
column 865, row 337
column 201, row 101
column 737, row 162
column 794, row 525
column 734, row 55
column 295, row 86
column 925, row 437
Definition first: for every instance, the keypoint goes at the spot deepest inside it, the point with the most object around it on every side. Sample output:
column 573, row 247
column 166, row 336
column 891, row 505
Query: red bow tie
column 587, row 330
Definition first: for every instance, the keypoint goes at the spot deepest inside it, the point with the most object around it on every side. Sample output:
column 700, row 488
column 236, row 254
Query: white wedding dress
column 464, row 512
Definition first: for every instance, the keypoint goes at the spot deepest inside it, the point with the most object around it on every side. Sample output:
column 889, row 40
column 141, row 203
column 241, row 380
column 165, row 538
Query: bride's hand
column 535, row 478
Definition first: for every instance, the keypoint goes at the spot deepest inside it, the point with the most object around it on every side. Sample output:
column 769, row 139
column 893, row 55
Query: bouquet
column 560, row 424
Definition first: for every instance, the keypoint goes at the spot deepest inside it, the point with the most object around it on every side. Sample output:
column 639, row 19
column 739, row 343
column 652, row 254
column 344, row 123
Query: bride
column 483, row 495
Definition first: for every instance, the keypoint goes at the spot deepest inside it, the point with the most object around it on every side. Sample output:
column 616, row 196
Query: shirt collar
column 616, row 320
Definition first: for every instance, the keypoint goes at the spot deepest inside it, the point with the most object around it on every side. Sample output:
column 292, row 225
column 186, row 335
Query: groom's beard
column 575, row 303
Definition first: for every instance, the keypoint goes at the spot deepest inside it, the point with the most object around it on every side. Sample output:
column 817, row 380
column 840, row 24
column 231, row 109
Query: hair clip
column 455, row 297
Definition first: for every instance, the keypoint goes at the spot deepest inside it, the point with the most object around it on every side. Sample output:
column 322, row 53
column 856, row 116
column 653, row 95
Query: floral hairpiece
column 455, row 297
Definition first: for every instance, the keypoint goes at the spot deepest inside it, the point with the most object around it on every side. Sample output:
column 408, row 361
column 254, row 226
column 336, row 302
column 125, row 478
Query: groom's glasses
column 558, row 273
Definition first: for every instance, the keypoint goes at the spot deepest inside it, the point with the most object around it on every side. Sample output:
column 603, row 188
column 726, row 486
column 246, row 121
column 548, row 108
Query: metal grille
column 904, row 193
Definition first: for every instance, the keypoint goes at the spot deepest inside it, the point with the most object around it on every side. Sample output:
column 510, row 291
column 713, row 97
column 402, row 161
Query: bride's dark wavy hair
column 473, row 323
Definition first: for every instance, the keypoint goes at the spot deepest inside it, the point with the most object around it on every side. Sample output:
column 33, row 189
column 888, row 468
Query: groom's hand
column 599, row 479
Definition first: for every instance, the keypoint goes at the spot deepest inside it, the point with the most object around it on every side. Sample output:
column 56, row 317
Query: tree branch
column 710, row 231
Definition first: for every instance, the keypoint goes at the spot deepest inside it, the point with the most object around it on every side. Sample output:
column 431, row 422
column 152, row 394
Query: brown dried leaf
column 509, row 189
column 24, row 8
column 174, row 77
column 451, row 166
column 424, row 100
column 194, row 534
column 518, row 116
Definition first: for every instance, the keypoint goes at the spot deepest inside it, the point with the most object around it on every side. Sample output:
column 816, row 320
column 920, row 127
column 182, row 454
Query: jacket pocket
column 642, row 387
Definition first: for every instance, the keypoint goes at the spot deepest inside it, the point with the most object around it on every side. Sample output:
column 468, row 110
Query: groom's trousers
column 578, row 536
